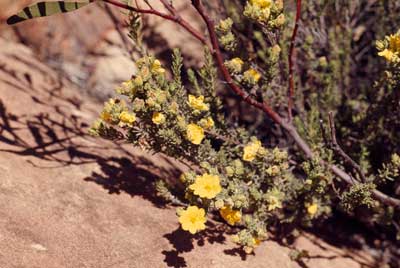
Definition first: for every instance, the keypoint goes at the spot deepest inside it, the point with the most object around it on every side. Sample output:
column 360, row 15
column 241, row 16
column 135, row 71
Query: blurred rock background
column 90, row 46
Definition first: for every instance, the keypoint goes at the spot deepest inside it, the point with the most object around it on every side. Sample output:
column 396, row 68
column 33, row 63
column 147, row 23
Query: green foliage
column 358, row 195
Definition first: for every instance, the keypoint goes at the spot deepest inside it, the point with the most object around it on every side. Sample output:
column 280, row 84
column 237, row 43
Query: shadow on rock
column 53, row 132
column 132, row 177
column 183, row 242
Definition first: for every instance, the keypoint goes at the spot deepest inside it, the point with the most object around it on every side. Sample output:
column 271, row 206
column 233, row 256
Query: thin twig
column 124, row 39
column 323, row 132
column 291, row 64
column 169, row 7
column 223, row 138
column 336, row 147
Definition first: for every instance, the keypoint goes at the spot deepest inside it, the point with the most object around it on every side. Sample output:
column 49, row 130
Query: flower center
column 193, row 219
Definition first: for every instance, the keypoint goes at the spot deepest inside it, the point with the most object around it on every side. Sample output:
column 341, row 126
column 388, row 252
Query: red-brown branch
column 225, row 73
column 290, row 59
column 174, row 18
column 169, row 7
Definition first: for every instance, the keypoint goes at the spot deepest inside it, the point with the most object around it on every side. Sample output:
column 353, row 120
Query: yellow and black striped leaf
column 44, row 9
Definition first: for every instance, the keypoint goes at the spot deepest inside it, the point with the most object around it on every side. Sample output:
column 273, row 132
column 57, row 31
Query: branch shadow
column 53, row 133
column 183, row 242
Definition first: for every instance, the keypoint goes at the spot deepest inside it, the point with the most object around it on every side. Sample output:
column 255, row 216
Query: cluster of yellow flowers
column 147, row 97
column 226, row 37
column 157, row 67
column 115, row 112
column 245, row 183
column 158, row 118
column 127, row 117
column 251, row 150
column 195, row 132
column 389, row 48
column 262, row 10
column 231, row 216
column 208, row 186
column 250, row 76
column 193, row 218
column 235, row 65
column 197, row 103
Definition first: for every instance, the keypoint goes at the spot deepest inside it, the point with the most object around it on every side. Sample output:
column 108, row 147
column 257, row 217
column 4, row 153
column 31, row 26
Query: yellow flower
column 251, row 76
column 193, row 219
column 256, row 241
column 264, row 15
column 250, row 150
column 127, row 118
column 158, row 118
column 237, row 61
column 230, row 215
column 225, row 25
column 395, row 159
column 207, row 123
column 261, row 3
column 273, row 203
column 387, row 54
column 392, row 51
column 198, row 103
column 235, row 65
column 106, row 116
column 157, row 68
column 206, row 186
column 259, row 10
column 194, row 133
column 394, row 43
column 312, row 209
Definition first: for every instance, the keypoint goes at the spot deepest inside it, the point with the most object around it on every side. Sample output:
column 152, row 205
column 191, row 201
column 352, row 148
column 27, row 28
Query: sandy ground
column 70, row 200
